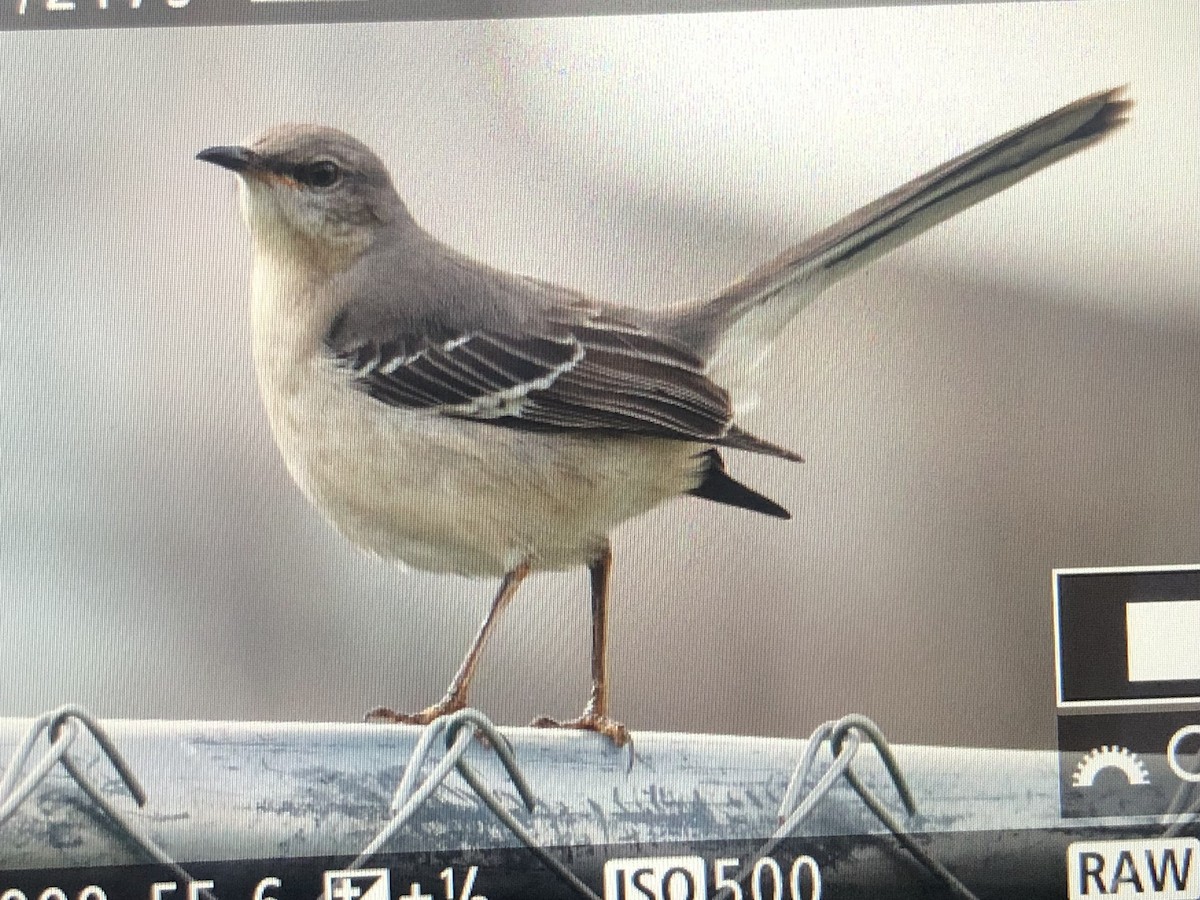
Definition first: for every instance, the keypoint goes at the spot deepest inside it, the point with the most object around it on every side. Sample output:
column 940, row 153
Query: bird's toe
column 384, row 715
column 612, row 729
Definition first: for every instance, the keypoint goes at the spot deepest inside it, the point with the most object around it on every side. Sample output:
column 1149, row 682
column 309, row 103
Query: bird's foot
column 381, row 714
column 589, row 721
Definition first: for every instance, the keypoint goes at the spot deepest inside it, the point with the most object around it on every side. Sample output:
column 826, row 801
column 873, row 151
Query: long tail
column 868, row 233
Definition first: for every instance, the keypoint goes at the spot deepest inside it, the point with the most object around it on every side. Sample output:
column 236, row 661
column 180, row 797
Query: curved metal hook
column 503, row 748
column 850, row 728
column 854, row 722
column 65, row 714
column 61, row 727
column 483, row 725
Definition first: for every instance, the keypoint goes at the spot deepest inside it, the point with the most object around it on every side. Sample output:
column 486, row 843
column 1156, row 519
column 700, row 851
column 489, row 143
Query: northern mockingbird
column 460, row 418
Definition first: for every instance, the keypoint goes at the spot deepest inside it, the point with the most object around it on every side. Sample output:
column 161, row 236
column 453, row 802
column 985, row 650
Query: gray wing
column 583, row 369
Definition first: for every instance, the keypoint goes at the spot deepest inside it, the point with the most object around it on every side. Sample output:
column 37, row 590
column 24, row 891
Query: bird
column 454, row 417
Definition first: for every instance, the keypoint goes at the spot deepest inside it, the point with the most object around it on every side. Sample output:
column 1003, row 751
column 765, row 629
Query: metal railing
column 826, row 783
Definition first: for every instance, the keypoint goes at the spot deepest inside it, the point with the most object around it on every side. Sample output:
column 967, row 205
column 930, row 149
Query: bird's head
column 311, row 189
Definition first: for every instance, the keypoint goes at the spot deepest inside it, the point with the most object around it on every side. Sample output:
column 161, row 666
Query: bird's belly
column 451, row 495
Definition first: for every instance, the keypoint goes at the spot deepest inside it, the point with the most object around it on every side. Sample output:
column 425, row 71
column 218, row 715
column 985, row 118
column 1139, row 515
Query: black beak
column 236, row 159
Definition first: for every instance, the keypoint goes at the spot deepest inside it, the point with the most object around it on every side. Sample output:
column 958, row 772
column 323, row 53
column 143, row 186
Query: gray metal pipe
column 261, row 793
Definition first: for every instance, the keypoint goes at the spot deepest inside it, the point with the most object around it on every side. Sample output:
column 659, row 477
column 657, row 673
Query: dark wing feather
column 476, row 375
column 583, row 371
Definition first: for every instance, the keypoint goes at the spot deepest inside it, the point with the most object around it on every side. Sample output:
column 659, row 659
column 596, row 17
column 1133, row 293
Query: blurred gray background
column 1015, row 391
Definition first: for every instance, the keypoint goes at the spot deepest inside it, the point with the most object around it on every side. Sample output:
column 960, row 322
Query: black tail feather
column 716, row 485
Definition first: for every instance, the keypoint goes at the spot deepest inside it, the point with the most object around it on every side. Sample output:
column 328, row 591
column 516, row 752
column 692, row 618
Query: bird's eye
column 321, row 174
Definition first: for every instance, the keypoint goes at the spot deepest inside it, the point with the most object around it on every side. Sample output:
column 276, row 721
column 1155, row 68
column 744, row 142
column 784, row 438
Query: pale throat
column 291, row 299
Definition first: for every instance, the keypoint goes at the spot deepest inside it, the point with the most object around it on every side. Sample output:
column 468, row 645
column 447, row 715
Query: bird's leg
column 595, row 714
column 456, row 694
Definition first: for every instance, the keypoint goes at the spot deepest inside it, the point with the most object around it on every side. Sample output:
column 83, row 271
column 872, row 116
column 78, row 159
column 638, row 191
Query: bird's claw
column 610, row 728
column 381, row 714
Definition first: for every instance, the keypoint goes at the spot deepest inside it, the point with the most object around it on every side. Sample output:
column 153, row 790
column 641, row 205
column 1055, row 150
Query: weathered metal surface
column 252, row 791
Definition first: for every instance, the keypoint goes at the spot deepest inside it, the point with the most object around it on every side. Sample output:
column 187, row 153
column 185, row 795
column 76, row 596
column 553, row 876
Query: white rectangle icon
column 1161, row 640
column 1162, row 868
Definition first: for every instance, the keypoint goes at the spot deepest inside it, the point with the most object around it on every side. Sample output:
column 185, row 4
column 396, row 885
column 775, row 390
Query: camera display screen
column 331, row 326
